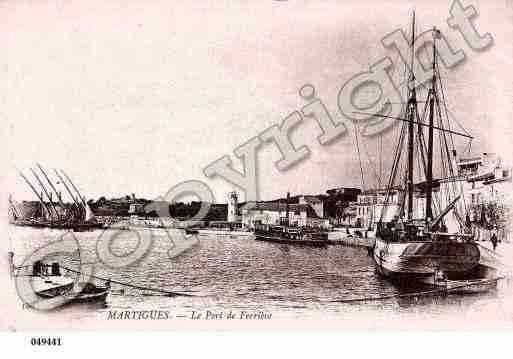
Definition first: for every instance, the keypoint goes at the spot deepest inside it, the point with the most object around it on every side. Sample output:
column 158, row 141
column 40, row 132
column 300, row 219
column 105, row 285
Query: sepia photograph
column 285, row 165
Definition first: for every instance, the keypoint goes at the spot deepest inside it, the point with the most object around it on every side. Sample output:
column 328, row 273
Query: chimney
column 288, row 200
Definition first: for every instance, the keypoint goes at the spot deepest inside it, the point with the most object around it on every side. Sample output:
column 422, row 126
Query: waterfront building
column 349, row 215
column 370, row 207
column 484, row 178
column 339, row 205
column 314, row 202
column 487, row 187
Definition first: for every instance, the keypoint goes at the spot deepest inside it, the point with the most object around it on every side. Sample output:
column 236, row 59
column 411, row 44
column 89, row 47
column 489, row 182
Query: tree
column 491, row 215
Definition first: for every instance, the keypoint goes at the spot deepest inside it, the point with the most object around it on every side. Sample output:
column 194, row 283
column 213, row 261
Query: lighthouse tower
column 232, row 206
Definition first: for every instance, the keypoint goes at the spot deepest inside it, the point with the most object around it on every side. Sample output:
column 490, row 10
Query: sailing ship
column 412, row 246
column 76, row 215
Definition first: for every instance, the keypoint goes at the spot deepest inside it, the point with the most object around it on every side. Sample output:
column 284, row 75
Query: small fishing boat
column 462, row 286
column 47, row 287
column 48, row 282
column 88, row 292
column 472, row 285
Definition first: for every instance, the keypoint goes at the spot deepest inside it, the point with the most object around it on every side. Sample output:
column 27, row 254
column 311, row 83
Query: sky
column 137, row 96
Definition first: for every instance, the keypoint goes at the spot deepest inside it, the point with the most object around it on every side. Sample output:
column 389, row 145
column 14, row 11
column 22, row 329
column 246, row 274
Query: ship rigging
column 415, row 242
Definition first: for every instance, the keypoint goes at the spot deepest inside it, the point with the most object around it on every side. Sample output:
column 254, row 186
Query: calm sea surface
column 223, row 273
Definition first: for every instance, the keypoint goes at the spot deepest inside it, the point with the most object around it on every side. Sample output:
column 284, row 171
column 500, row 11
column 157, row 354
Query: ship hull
column 416, row 261
column 299, row 242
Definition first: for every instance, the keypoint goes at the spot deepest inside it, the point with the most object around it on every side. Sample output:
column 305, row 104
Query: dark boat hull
column 89, row 294
column 54, row 292
column 89, row 297
column 416, row 261
column 299, row 242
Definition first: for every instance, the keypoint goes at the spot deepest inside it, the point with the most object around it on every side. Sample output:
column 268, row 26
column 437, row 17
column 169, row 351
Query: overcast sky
column 136, row 96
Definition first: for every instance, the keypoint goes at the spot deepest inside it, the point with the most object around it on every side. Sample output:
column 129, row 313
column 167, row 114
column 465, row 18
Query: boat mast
column 77, row 204
column 67, row 188
column 40, row 197
column 412, row 104
column 76, row 190
column 46, row 192
column 429, row 169
column 51, row 185
column 81, row 202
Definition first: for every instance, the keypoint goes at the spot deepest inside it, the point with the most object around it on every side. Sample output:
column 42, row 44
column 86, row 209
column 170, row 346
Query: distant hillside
column 121, row 207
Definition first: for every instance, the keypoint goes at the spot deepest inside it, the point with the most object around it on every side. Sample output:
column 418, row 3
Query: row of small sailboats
column 53, row 212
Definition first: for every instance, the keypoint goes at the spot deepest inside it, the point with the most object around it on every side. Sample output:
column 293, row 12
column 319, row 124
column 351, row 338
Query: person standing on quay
column 493, row 239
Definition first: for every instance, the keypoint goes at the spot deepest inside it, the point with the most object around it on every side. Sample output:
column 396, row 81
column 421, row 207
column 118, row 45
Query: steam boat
column 290, row 234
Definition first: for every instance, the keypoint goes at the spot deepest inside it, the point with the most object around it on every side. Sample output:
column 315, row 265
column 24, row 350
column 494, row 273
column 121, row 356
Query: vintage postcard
column 256, row 165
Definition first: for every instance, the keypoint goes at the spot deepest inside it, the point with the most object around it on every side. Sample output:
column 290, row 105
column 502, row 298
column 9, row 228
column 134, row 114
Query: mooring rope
column 444, row 290
column 169, row 293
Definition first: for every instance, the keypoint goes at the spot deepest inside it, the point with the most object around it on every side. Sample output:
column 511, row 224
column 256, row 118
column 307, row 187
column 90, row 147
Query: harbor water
column 230, row 273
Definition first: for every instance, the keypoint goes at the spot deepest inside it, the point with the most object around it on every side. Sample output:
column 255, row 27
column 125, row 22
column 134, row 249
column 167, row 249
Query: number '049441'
column 45, row 341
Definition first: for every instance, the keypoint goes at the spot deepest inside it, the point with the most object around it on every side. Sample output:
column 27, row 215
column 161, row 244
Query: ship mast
column 412, row 104
column 40, row 197
column 411, row 122
column 429, row 169
column 46, row 192
column 287, row 209
column 66, row 186
column 77, row 204
column 51, row 185
column 75, row 188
